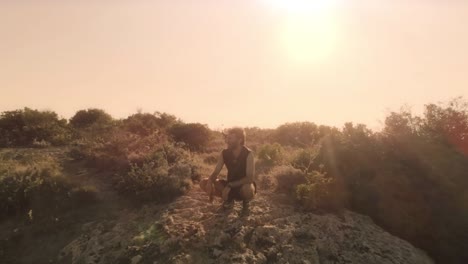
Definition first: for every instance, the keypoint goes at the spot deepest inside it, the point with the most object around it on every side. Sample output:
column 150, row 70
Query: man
column 239, row 161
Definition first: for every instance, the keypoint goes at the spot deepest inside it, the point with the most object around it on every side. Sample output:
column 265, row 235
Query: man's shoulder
column 224, row 152
column 247, row 149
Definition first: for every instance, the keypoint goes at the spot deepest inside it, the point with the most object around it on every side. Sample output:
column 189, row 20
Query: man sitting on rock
column 239, row 161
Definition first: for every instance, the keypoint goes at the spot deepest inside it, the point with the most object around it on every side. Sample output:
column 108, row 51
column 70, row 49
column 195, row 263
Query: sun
column 308, row 32
column 302, row 6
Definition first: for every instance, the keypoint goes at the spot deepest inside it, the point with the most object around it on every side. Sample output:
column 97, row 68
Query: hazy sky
column 248, row 63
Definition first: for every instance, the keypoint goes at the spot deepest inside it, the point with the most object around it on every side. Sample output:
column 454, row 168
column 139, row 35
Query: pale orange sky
column 247, row 63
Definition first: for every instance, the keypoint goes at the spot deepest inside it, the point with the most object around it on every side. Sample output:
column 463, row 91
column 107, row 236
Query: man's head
column 235, row 137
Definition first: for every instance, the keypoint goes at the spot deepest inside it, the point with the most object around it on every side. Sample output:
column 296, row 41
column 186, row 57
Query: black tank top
column 237, row 168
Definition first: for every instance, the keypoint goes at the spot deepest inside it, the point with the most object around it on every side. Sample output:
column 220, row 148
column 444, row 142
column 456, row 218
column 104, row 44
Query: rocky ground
column 190, row 230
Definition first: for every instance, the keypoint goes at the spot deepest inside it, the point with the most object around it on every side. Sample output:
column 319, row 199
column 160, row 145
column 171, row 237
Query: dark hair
column 238, row 132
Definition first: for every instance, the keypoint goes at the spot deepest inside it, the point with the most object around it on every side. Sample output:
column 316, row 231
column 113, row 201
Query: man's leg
column 247, row 193
column 228, row 203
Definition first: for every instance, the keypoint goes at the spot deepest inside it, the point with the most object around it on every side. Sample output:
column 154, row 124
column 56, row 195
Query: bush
column 118, row 150
column 144, row 124
column 196, row 171
column 288, row 178
column 271, row 154
column 258, row 136
column 196, row 136
column 321, row 193
column 298, row 134
column 92, row 125
column 410, row 178
column 165, row 120
column 211, row 158
column 38, row 188
column 304, row 159
column 90, row 117
column 145, row 168
column 21, row 128
column 156, row 180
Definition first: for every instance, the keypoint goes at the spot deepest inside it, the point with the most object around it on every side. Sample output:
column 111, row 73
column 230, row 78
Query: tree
column 195, row 135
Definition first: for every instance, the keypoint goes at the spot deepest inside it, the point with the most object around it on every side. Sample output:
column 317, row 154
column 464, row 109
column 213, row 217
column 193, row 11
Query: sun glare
column 308, row 31
column 303, row 6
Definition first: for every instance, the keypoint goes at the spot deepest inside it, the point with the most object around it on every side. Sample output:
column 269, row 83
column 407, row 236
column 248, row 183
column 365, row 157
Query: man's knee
column 247, row 191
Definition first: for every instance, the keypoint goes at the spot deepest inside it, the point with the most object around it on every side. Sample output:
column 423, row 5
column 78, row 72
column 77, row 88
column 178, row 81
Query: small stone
column 136, row 259
column 221, row 239
column 217, row 252
column 261, row 258
column 170, row 244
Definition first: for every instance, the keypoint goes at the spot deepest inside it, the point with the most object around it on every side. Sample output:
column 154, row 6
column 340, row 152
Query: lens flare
column 309, row 30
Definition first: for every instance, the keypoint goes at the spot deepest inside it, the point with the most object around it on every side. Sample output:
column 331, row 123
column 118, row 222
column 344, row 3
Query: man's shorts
column 234, row 193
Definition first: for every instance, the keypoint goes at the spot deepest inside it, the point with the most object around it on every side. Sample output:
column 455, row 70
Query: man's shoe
column 227, row 205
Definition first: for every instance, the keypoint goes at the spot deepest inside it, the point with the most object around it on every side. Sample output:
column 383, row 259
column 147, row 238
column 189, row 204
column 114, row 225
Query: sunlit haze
column 224, row 63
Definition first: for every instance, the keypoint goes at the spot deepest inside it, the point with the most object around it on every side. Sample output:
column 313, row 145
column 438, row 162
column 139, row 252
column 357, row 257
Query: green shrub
column 21, row 128
column 92, row 125
column 298, row 134
column 271, row 154
column 144, row 124
column 410, row 177
column 141, row 124
column 90, row 117
column 321, row 193
column 118, row 150
column 304, row 159
column 146, row 168
column 288, row 178
column 196, row 136
column 196, row 172
column 156, row 181
column 258, row 136
column 38, row 188
column 211, row 158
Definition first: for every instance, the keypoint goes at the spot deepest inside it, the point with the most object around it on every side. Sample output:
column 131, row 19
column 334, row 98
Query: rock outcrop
column 190, row 230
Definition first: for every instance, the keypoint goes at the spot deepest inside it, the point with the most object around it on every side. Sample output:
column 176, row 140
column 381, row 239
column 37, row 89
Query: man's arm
column 218, row 168
column 249, row 174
